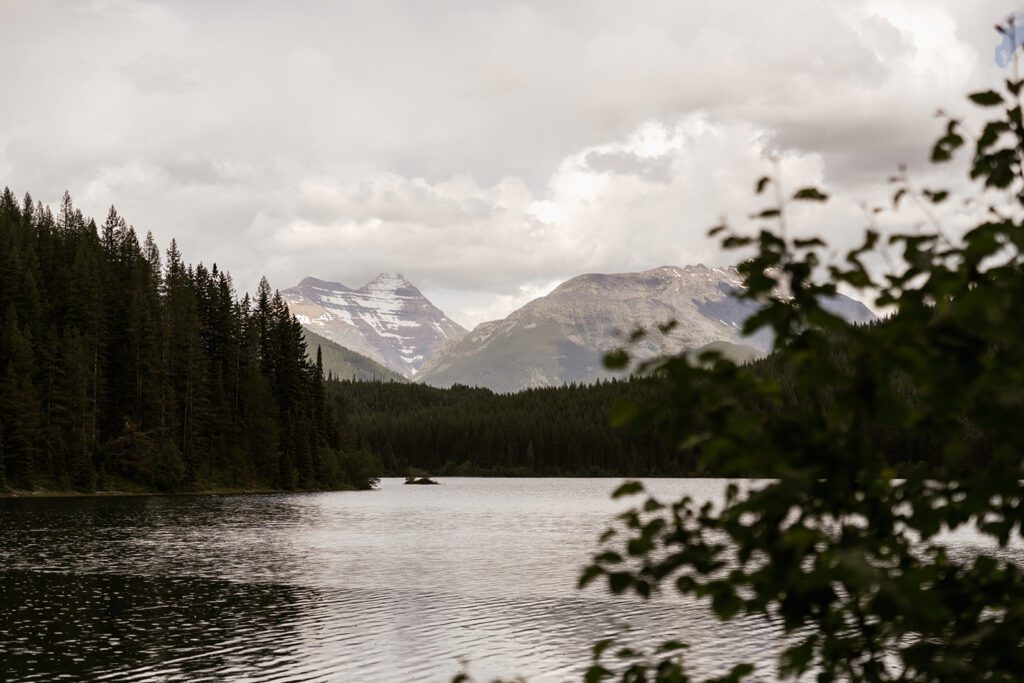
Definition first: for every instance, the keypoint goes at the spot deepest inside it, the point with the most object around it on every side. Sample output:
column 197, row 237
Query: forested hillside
column 472, row 431
column 122, row 368
column 343, row 363
column 568, row 430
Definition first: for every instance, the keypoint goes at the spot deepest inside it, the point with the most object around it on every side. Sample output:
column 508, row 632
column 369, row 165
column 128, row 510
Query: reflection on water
column 387, row 585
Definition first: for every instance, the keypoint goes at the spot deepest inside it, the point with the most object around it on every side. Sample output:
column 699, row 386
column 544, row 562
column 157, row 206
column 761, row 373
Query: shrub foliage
column 845, row 558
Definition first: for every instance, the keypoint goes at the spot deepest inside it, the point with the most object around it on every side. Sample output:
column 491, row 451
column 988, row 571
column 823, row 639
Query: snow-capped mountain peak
column 387, row 319
column 389, row 282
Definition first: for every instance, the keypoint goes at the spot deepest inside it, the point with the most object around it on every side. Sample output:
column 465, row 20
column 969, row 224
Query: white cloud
column 480, row 148
column 494, row 307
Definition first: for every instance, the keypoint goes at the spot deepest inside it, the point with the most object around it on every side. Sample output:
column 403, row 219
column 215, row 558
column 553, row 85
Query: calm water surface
column 390, row 585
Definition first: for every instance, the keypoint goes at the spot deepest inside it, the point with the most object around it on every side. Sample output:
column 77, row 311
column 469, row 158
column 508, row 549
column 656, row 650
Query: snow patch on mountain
column 387, row 319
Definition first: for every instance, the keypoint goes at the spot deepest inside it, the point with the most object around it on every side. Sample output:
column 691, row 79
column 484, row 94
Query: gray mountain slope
column 563, row 336
column 344, row 363
column 387, row 320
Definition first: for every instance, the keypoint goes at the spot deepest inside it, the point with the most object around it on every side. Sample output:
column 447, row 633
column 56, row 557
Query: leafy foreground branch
column 846, row 558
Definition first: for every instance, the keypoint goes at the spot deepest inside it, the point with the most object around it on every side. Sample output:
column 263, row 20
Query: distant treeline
column 568, row 430
column 538, row 432
column 122, row 368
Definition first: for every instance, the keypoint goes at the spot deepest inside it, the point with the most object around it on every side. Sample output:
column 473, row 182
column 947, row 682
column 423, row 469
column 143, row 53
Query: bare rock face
column 562, row 337
column 388, row 320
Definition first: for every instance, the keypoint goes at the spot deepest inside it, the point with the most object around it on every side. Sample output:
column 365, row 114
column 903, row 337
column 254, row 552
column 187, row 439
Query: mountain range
column 552, row 340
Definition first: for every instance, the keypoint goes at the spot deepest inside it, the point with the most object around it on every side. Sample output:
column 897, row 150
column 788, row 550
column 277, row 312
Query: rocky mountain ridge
column 562, row 337
column 388, row 319
column 551, row 340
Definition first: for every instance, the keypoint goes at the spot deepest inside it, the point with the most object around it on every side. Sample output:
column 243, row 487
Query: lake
column 397, row 584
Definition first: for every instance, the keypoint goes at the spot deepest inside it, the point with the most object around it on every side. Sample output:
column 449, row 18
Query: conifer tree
column 117, row 369
column 3, row 477
column 19, row 410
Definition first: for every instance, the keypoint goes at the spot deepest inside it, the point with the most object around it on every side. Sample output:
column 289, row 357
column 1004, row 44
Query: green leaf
column 616, row 360
column 946, row 145
column 672, row 646
column 988, row 98
column 629, row 488
column 810, row 194
column 589, row 574
column 597, row 673
column 740, row 671
column 619, row 582
column 991, row 133
column 608, row 557
column 809, row 243
column 600, row 646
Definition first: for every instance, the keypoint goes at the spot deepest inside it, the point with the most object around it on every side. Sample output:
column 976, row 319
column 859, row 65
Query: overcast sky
column 485, row 149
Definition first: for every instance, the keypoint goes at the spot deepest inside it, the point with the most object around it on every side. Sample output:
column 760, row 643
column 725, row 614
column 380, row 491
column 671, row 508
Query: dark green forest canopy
column 579, row 429
column 473, row 431
column 122, row 368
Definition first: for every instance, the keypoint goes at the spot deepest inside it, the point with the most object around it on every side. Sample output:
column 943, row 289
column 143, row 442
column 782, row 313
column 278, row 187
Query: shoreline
column 49, row 493
column 46, row 494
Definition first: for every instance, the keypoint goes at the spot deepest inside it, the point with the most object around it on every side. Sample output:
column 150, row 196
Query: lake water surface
column 396, row 584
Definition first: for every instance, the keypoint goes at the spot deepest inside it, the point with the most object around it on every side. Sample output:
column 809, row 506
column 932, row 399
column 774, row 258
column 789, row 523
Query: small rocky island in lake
column 420, row 480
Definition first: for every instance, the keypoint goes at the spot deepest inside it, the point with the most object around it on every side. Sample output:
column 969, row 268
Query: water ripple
column 392, row 585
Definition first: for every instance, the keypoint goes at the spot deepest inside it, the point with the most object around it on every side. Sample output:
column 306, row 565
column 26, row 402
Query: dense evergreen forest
column 538, row 432
column 569, row 430
column 125, row 369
